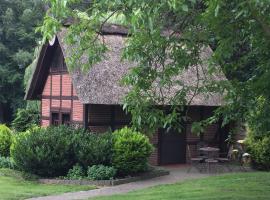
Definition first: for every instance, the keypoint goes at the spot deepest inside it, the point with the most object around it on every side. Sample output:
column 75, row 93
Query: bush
column 259, row 148
column 54, row 150
column 6, row 162
column 93, row 149
column 25, row 119
column 130, row 151
column 101, row 172
column 5, row 140
column 76, row 172
column 44, row 152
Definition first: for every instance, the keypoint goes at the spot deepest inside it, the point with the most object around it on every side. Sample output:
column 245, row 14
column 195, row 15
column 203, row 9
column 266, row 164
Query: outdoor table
column 210, row 152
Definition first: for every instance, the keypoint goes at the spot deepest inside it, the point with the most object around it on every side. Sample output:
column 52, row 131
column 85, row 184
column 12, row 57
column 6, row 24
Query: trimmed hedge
column 131, row 151
column 44, row 152
column 93, row 149
column 52, row 151
column 5, row 140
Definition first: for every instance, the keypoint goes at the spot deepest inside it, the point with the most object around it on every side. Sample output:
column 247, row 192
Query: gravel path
column 177, row 174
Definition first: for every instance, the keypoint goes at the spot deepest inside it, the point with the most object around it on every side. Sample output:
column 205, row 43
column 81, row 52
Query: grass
column 239, row 186
column 14, row 187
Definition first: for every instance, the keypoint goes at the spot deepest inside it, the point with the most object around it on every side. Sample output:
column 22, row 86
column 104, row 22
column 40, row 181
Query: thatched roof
column 101, row 84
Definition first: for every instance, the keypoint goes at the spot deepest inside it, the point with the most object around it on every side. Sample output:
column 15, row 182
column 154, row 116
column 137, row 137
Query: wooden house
column 94, row 99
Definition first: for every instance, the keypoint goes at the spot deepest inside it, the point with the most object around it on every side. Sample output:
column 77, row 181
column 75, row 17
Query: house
column 94, row 99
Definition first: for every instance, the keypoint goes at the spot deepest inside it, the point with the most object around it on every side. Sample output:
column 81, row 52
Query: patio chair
column 226, row 160
column 200, row 145
column 195, row 162
column 211, row 164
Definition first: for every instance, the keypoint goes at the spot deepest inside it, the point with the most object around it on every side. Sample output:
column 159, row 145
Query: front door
column 172, row 147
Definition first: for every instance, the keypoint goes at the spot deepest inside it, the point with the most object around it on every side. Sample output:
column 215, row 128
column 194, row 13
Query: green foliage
column 259, row 148
column 76, row 172
column 131, row 151
column 53, row 151
column 25, row 119
column 240, row 47
column 18, row 20
column 6, row 162
column 44, row 152
column 93, row 149
column 101, row 172
column 5, row 140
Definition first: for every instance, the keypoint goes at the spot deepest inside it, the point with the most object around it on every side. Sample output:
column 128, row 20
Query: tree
column 176, row 31
column 18, row 20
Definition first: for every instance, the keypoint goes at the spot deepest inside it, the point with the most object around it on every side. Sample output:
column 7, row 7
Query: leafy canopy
column 166, row 38
column 18, row 20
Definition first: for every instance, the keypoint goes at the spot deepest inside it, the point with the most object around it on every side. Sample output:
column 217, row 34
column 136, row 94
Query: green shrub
column 5, row 140
column 93, row 149
column 44, row 152
column 130, row 151
column 259, row 148
column 25, row 119
column 101, row 172
column 6, row 162
column 54, row 150
column 76, row 172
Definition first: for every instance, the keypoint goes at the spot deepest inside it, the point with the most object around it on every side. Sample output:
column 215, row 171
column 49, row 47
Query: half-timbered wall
column 59, row 95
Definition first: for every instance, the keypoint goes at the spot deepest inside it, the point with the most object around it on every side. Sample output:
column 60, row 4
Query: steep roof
column 100, row 85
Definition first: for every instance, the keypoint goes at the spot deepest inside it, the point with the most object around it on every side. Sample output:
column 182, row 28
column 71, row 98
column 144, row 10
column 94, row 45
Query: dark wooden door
column 172, row 147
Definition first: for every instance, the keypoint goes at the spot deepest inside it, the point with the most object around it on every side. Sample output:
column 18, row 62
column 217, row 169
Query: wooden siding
column 103, row 117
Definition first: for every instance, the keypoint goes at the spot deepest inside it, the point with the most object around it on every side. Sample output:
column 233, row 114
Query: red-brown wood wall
column 100, row 121
column 59, row 96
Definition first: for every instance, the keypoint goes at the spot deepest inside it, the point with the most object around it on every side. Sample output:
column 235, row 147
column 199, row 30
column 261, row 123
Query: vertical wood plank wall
column 100, row 117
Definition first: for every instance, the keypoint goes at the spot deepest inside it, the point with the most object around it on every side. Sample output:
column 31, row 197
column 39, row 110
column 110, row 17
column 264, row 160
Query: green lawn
column 14, row 187
column 241, row 186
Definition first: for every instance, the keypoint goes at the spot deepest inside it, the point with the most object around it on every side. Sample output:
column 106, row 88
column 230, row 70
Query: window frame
column 60, row 118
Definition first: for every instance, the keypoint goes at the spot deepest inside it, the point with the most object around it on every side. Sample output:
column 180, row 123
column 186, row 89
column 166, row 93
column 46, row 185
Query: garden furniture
column 210, row 152
column 195, row 162
column 211, row 164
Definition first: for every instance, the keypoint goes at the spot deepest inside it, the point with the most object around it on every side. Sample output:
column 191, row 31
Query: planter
column 143, row 176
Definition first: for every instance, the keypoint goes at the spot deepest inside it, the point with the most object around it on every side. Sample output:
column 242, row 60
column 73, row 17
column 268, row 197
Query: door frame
column 160, row 146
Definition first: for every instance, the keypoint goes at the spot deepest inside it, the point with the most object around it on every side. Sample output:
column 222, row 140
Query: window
column 55, row 119
column 66, row 118
column 60, row 118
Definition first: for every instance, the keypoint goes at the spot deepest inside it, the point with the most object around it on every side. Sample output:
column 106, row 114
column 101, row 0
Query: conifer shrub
column 131, row 150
